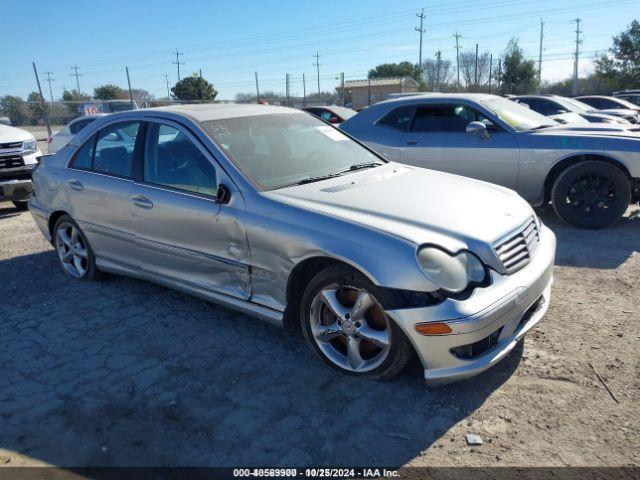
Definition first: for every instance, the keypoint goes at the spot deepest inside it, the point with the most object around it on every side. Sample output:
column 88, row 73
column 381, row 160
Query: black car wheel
column 591, row 194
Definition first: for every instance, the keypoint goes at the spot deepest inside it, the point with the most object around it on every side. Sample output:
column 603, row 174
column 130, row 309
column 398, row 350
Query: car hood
column 591, row 130
column 13, row 134
column 416, row 204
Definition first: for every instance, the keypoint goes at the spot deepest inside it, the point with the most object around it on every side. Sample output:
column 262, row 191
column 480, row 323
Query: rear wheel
column 22, row 205
column 344, row 323
column 74, row 251
column 591, row 194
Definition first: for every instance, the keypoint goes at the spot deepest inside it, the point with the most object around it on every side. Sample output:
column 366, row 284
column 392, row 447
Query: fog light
column 433, row 328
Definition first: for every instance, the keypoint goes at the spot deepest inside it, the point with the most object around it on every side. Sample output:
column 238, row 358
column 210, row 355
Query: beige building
column 361, row 93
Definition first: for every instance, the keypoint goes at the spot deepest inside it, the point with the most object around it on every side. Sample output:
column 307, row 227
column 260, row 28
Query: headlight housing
column 29, row 147
column 452, row 273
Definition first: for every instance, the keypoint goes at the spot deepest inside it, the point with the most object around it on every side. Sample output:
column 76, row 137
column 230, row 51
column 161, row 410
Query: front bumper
column 488, row 324
column 15, row 190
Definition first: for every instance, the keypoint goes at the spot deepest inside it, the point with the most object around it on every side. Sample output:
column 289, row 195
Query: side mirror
column 223, row 195
column 478, row 128
column 334, row 120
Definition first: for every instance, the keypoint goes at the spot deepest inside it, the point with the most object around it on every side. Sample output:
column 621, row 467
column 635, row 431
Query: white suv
column 18, row 155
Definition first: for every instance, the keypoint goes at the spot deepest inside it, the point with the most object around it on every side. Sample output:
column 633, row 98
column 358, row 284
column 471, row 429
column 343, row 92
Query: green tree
column 519, row 75
column 194, row 88
column 14, row 108
column 73, row 98
column 620, row 68
column 36, row 107
column 388, row 70
column 109, row 92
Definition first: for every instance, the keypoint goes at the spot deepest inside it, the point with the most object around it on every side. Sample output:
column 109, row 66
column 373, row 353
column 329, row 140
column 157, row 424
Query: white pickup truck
column 18, row 155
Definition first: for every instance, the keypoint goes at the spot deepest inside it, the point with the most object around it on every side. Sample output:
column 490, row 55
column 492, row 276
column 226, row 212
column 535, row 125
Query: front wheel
column 344, row 324
column 591, row 194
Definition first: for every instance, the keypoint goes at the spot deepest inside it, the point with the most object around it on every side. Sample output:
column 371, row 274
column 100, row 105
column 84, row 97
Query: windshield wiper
column 360, row 166
column 544, row 125
column 318, row 178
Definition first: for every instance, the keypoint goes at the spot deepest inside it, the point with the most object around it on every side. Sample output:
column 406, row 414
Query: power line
column 178, row 62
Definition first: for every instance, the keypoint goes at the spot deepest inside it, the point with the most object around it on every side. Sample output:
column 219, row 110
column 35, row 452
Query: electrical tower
column 420, row 29
column 317, row 65
column 574, row 87
column 49, row 80
column 177, row 61
column 458, row 37
column 77, row 75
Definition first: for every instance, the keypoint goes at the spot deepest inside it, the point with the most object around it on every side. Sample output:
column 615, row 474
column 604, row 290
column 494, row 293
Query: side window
column 172, row 160
column 114, row 149
column 398, row 118
column 83, row 158
column 324, row 115
column 444, row 118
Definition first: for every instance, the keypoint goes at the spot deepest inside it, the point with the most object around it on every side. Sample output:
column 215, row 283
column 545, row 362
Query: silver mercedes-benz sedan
column 589, row 173
column 278, row 214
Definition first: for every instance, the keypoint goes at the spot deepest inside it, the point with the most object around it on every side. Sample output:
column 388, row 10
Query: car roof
column 203, row 112
column 440, row 96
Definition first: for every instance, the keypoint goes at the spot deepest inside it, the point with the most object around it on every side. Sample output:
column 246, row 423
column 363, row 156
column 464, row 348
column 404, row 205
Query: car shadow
column 607, row 248
column 7, row 210
column 125, row 372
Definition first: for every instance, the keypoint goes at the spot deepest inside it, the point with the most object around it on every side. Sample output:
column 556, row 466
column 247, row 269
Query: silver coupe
column 589, row 173
column 278, row 214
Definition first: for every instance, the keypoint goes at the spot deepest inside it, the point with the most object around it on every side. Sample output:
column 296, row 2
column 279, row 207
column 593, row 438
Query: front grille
column 11, row 161
column 11, row 145
column 516, row 251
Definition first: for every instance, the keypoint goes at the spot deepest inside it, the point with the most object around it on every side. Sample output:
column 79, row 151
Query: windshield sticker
column 332, row 133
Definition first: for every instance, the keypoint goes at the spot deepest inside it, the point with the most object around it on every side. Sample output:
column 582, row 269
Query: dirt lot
column 124, row 372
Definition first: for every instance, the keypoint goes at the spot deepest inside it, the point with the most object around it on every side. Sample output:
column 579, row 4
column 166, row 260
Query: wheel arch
column 574, row 159
column 53, row 218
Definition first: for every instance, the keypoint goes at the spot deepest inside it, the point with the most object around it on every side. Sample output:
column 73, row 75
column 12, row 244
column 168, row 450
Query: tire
column 23, row 206
column 74, row 252
column 591, row 195
column 383, row 350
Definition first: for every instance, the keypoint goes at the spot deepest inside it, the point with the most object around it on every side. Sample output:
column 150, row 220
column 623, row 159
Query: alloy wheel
column 350, row 328
column 72, row 250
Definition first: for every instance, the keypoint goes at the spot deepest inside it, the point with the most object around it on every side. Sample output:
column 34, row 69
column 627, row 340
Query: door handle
column 75, row 185
column 142, row 202
column 412, row 142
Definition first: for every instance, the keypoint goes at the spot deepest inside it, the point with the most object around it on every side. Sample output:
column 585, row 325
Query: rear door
column 437, row 139
column 184, row 234
column 98, row 185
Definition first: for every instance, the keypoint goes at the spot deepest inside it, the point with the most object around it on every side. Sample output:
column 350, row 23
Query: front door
column 438, row 139
column 182, row 232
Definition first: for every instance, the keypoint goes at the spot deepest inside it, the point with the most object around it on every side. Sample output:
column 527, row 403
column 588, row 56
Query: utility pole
column 178, row 62
column 129, row 83
column 438, row 60
column 458, row 37
column 77, row 75
column 499, row 74
column 490, row 70
column 342, row 88
column 540, row 56
column 166, row 78
column 420, row 29
column 475, row 78
column 304, row 91
column 317, row 65
column 369, row 93
column 574, row 88
column 49, row 80
column 44, row 107
column 286, row 89
column 257, row 89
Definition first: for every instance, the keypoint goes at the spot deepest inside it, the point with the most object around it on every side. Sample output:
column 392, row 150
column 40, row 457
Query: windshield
column 517, row 116
column 578, row 104
column 278, row 150
column 625, row 103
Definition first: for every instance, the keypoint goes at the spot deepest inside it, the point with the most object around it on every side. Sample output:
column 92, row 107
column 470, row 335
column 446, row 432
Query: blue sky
column 229, row 40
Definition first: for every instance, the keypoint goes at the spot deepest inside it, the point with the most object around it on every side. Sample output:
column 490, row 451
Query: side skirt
column 274, row 317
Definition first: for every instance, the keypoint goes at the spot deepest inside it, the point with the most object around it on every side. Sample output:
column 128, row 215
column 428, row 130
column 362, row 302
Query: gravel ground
column 124, row 372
